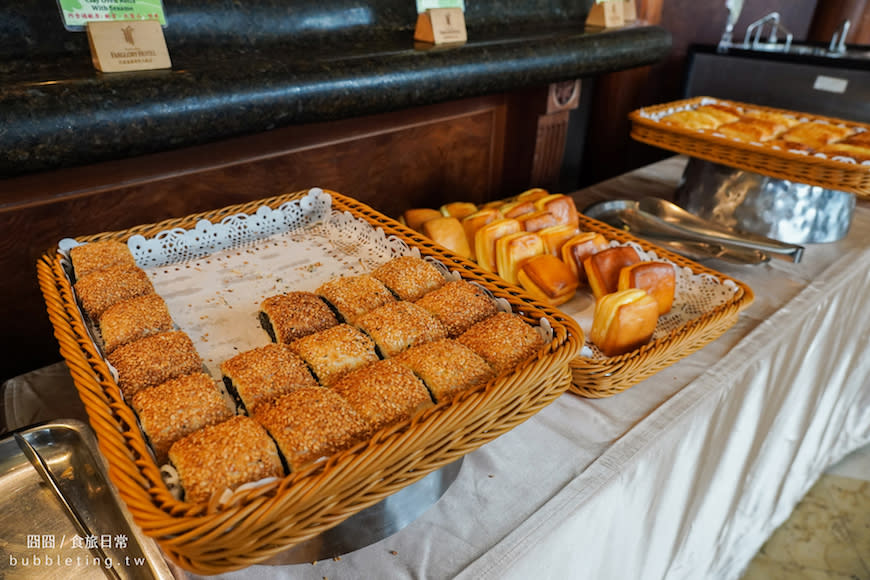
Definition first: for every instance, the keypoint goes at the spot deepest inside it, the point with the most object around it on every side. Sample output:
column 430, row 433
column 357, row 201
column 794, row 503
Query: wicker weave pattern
column 780, row 164
column 608, row 376
column 210, row 539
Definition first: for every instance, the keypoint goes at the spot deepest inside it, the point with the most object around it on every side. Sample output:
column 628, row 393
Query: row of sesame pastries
column 336, row 375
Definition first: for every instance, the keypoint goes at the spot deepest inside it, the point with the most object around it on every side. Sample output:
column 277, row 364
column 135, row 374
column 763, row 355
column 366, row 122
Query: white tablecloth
column 684, row 475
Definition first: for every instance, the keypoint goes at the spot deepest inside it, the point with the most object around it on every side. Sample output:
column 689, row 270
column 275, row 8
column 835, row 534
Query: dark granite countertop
column 57, row 111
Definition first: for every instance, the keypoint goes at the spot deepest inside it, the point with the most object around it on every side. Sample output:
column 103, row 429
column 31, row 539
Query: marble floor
column 827, row 536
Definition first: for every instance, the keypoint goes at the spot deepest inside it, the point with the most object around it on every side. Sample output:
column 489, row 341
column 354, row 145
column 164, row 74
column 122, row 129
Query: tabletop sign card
column 607, row 13
column 76, row 14
column 441, row 22
column 127, row 46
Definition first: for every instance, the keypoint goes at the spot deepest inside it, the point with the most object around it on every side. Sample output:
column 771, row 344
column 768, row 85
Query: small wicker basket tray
column 599, row 377
column 761, row 158
column 267, row 519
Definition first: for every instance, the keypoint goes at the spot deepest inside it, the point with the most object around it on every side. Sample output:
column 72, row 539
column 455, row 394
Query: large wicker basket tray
column 599, row 377
column 758, row 157
column 213, row 538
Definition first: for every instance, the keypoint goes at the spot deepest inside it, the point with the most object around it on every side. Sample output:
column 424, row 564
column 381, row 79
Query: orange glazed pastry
column 448, row 232
column 538, row 220
column 580, row 247
column 458, row 209
column 477, row 220
column 548, row 279
column 623, row 321
column 602, row 268
column 514, row 249
column 657, row 278
column 533, row 194
column 415, row 218
column 813, row 135
column 722, row 113
column 485, row 238
column 692, row 119
column 555, row 237
column 561, row 206
column 514, row 209
column 750, row 130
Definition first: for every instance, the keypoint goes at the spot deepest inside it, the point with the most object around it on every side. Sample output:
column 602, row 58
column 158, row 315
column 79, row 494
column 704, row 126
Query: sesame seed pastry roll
column 311, row 423
column 400, row 325
column 264, row 373
column 335, row 351
column 224, row 456
column 503, row 340
column 106, row 287
column 293, row 315
column 384, row 393
column 133, row 319
column 409, row 277
column 153, row 360
column 352, row 296
column 458, row 304
column 93, row 256
column 446, row 367
column 169, row 411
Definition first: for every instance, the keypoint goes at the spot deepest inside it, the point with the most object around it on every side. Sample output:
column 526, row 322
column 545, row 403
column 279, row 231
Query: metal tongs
column 675, row 228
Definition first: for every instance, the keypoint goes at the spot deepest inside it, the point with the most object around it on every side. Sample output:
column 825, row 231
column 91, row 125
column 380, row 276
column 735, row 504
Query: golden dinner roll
column 555, row 237
column 548, row 279
column 861, row 138
column 533, row 194
column 514, row 249
column 813, row 135
column 782, row 122
column 485, row 238
column 657, row 278
column 750, row 130
column 513, row 209
column 414, row 218
column 580, row 247
column 722, row 113
column 458, row 209
column 538, row 220
column 623, row 321
column 602, row 268
column 562, row 207
column 448, row 232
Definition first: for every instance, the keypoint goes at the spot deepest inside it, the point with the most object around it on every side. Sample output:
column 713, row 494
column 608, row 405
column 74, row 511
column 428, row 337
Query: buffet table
column 682, row 476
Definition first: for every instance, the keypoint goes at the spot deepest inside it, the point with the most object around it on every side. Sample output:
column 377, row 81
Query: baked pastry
column 311, row 423
column 286, row 317
column 503, row 340
column 448, row 232
column 154, row 359
column 224, row 456
column 107, row 286
column 562, row 207
column 813, row 135
column 457, row 305
column 514, row 249
column 657, row 278
column 265, row 373
column 623, row 321
column 485, row 238
column 602, row 268
column 446, row 367
column 414, row 218
column 781, row 121
column 400, row 325
column 134, row 319
column 335, row 351
column 93, row 256
column 384, row 393
column 538, row 220
column 516, row 208
column 555, row 237
column 458, row 209
column 750, row 130
column 548, row 279
column 861, row 139
column 692, row 119
column 352, row 296
column 169, row 411
column 477, row 220
column 580, row 247
column 722, row 113
column 409, row 277
column 533, row 194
